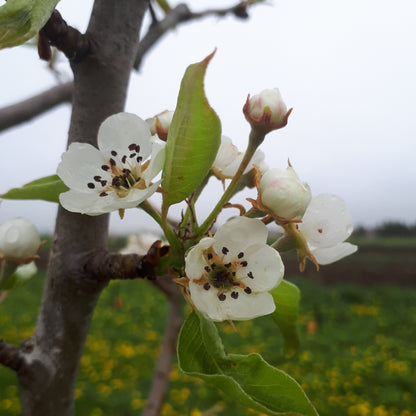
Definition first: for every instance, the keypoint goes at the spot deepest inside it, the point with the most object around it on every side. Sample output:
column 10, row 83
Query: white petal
column 88, row 202
column 80, row 163
column 246, row 306
column 227, row 152
column 265, row 265
column 231, row 169
column 157, row 159
column 195, row 262
column 119, row 131
column 328, row 255
column 239, row 233
column 326, row 221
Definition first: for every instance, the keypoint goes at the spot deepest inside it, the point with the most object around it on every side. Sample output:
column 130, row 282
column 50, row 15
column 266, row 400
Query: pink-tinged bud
column 160, row 124
column 266, row 111
column 19, row 239
column 283, row 193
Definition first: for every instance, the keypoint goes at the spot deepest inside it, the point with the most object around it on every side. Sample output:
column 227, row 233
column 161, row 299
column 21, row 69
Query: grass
column 357, row 356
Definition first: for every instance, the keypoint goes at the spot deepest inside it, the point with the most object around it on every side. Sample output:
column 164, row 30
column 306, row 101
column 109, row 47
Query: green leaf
column 193, row 140
column 21, row 20
column 247, row 379
column 46, row 189
column 286, row 298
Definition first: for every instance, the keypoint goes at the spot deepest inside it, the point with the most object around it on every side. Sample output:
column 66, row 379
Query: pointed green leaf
column 247, row 379
column 21, row 20
column 286, row 298
column 193, row 140
column 46, row 189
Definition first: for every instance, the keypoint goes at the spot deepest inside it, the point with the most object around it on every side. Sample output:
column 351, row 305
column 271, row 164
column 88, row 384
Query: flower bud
column 19, row 239
column 160, row 124
column 284, row 194
column 266, row 111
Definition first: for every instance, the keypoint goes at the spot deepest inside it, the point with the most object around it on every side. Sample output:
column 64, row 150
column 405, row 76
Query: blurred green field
column 357, row 355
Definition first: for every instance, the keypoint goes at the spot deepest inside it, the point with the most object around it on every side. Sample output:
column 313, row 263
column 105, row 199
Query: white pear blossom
column 284, row 193
column 139, row 244
column 160, row 123
column 229, row 158
column 325, row 226
column 266, row 110
column 19, row 239
column 231, row 273
column 117, row 175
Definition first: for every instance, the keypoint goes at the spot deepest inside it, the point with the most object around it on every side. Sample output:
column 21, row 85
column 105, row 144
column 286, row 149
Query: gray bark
column 50, row 360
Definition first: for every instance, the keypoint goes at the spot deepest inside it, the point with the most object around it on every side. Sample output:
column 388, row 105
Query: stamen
column 97, row 178
column 103, row 194
column 137, row 148
column 132, row 146
column 139, row 159
column 228, row 265
column 133, row 155
column 114, row 153
column 247, row 290
column 103, row 183
column 105, row 167
column 207, row 269
column 234, row 295
column 225, row 250
column 112, row 162
column 90, row 185
column 250, row 275
column 244, row 264
column 240, row 255
column 213, row 266
column 207, row 286
column 209, row 256
column 221, row 296
column 124, row 158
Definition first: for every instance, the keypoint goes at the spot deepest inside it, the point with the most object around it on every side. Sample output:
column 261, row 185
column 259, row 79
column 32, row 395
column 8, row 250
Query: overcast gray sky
column 346, row 67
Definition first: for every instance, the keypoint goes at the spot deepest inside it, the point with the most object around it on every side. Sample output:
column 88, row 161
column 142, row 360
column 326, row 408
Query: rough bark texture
column 51, row 358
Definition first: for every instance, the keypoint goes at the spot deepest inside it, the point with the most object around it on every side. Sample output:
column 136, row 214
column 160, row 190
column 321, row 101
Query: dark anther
column 235, row 284
column 132, row 146
column 207, row 269
column 114, row 153
column 247, row 290
column 103, row 194
column 234, row 295
column 123, row 159
column 213, row 266
column 250, row 275
column 244, row 263
column 125, row 170
column 133, row 155
column 137, row 149
column 228, row 265
column 240, row 255
column 225, row 250
column 207, row 286
column 97, row 178
column 91, row 185
column 112, row 162
column 105, row 167
column 103, row 183
column 221, row 296
column 139, row 159
column 209, row 256
column 233, row 273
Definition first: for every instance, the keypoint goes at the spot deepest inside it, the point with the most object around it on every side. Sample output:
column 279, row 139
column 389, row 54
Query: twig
column 25, row 110
column 9, row 356
column 181, row 13
column 164, row 364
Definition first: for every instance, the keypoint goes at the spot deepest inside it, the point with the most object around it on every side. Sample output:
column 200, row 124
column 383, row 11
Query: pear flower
column 229, row 158
column 160, row 124
column 284, row 194
column 266, row 111
column 231, row 273
column 117, row 174
column 325, row 226
column 139, row 244
column 19, row 240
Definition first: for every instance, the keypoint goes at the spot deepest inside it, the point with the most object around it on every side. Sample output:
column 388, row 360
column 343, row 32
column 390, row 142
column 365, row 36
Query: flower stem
column 254, row 142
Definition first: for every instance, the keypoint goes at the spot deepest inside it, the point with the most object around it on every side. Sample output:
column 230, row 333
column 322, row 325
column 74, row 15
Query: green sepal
column 45, row 189
column 246, row 379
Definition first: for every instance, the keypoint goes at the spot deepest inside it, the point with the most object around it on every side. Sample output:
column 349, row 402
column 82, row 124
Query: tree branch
column 25, row 110
column 180, row 14
column 161, row 375
column 9, row 356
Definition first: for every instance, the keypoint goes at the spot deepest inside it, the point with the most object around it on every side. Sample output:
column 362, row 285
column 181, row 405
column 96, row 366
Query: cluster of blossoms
column 228, row 275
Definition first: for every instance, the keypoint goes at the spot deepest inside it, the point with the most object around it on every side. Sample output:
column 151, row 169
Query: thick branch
column 9, row 356
column 181, row 13
column 167, row 352
column 25, row 110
